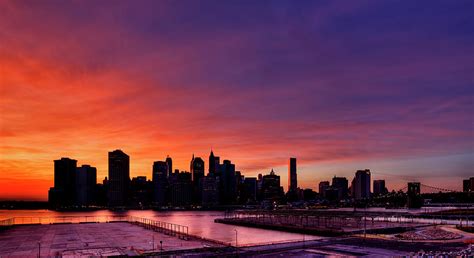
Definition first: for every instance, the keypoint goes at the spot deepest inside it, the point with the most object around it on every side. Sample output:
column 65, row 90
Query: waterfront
column 200, row 223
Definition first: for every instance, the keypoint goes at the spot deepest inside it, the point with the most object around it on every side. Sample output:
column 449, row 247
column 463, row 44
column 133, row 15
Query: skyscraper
column 86, row 180
column 228, row 182
column 466, row 185
column 119, row 178
column 379, row 187
column 197, row 173
column 169, row 163
column 322, row 187
column 64, row 191
column 181, row 190
column 212, row 167
column 292, row 179
column 341, row 185
column 271, row 188
column 361, row 184
column 160, row 182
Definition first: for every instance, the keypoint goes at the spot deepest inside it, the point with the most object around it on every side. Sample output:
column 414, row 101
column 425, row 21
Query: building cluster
column 359, row 189
column 220, row 185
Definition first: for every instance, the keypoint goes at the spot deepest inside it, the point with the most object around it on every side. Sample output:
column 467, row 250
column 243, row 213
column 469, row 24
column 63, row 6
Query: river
column 199, row 222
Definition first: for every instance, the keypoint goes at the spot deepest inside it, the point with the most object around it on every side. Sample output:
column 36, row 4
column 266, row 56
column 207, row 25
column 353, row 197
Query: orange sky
column 79, row 80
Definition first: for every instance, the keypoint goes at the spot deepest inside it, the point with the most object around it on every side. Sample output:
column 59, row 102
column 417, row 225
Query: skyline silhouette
column 342, row 86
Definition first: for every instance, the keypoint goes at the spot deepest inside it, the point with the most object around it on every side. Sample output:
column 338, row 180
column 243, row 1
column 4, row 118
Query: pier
column 95, row 236
column 326, row 223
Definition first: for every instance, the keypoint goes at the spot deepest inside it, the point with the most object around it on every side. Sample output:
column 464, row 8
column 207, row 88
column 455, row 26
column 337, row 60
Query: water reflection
column 199, row 222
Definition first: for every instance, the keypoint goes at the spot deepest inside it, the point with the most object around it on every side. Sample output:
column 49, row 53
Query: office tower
column 259, row 187
column 309, row 194
column 197, row 169
column 141, row 192
column 64, row 191
column 160, row 182
column 472, row 183
column 271, row 188
column 86, row 181
column 212, row 167
column 197, row 173
column 250, row 193
column 466, row 185
column 228, row 183
column 119, row 178
column 361, row 184
column 292, row 179
column 181, row 191
column 169, row 163
column 323, row 185
column 414, row 197
column 210, row 191
column 341, row 184
column 379, row 187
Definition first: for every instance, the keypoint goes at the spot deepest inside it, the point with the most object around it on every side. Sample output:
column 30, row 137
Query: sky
column 340, row 85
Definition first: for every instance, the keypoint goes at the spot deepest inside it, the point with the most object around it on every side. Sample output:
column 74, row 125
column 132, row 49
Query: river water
column 199, row 222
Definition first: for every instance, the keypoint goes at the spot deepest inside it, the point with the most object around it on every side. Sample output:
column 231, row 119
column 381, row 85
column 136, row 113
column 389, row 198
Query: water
column 199, row 222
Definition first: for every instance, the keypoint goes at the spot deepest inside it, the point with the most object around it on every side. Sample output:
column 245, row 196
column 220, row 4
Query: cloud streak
column 337, row 85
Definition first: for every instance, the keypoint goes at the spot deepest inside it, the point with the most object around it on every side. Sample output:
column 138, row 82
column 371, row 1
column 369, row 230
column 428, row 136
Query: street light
column 236, row 243
column 161, row 246
column 39, row 249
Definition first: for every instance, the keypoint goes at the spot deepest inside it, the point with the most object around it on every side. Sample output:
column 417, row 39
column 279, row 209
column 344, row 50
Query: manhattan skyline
column 342, row 86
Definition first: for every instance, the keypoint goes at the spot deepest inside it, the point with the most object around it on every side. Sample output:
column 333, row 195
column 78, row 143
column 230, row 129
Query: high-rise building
column 141, row 192
column 341, row 185
column 250, row 186
column 197, row 169
column 228, row 183
column 472, row 183
column 212, row 167
column 210, row 191
column 181, row 191
column 379, row 187
column 323, row 185
column 292, row 178
column 86, row 181
column 64, row 191
column 160, row 182
column 361, row 184
column 271, row 188
column 197, row 173
column 466, row 185
column 169, row 163
column 119, row 178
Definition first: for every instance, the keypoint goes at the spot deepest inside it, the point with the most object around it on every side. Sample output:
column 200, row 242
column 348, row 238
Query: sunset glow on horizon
column 340, row 85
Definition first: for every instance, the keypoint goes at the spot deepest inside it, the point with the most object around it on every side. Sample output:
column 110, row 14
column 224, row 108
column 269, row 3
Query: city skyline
column 341, row 86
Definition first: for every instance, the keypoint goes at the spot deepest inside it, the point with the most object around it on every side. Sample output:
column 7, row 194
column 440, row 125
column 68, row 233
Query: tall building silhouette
column 119, row 178
column 64, row 191
column 292, row 178
column 341, row 185
column 197, row 172
column 322, row 187
column 181, row 190
column 361, row 184
column 160, row 182
column 271, row 188
column 379, row 187
column 86, row 181
column 214, row 162
column 228, row 183
column 169, row 163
